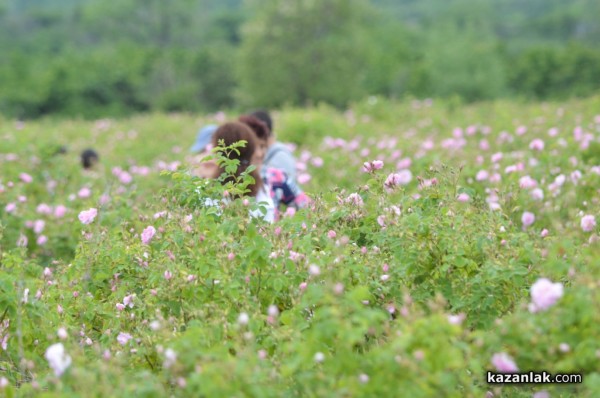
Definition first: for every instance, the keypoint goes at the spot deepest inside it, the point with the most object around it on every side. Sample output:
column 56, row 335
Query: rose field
column 442, row 241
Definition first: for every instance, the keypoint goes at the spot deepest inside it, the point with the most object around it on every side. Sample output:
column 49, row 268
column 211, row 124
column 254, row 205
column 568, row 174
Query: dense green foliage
column 377, row 288
column 94, row 58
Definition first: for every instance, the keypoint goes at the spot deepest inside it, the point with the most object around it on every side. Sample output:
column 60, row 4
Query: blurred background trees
column 94, row 58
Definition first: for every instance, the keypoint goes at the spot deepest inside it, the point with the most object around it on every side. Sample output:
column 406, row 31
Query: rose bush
column 412, row 278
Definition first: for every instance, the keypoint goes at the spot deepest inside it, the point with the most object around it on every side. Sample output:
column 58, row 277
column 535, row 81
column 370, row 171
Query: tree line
column 92, row 58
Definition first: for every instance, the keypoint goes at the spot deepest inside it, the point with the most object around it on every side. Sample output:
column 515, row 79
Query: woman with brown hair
column 231, row 133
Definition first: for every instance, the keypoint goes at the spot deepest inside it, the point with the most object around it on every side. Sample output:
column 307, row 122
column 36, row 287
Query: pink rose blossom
column 123, row 338
column 304, row 178
column 88, row 216
column 504, row 363
column 26, row 178
column 84, row 192
column 588, row 223
column 104, row 199
column 58, row 359
column 456, row 319
column 526, row 182
column 147, row 234
column 537, row 145
column 482, row 175
column 317, row 162
column 463, row 197
column 544, row 294
column 403, row 164
column 128, row 300
column 38, row 226
column 43, row 208
column 527, row 219
column 125, row 178
column 22, row 241
column 355, row 199
column 537, row 194
column 403, row 177
column 59, row 211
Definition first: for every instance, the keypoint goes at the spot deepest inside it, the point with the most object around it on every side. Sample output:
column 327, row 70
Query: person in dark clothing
column 89, row 158
column 278, row 155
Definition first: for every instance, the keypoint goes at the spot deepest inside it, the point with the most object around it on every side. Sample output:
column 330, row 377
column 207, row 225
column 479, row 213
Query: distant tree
column 304, row 51
column 548, row 72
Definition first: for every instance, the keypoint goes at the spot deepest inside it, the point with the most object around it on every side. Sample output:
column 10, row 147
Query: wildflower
column 319, row 357
column 331, row 234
